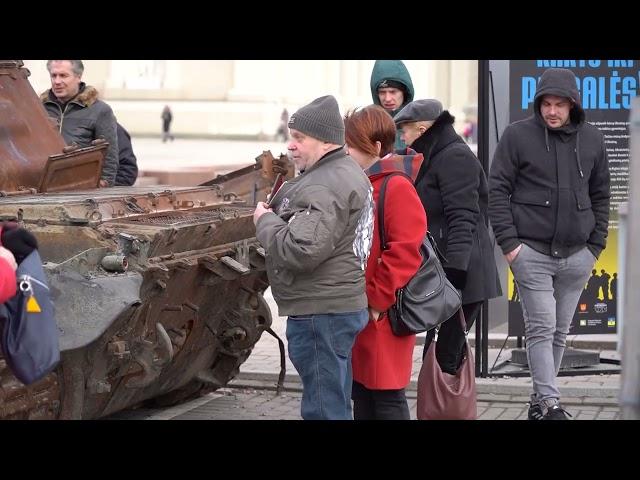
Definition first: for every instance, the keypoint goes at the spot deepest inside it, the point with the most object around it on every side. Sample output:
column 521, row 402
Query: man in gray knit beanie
column 317, row 232
column 320, row 119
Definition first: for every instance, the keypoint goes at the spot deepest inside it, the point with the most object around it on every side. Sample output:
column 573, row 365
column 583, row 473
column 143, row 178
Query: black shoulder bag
column 428, row 299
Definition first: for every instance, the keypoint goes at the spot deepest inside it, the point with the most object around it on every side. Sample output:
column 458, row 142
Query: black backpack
column 428, row 299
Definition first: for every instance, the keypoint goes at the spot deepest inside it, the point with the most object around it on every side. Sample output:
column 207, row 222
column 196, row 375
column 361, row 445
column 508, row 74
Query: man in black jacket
column 453, row 189
column 127, row 162
column 549, row 206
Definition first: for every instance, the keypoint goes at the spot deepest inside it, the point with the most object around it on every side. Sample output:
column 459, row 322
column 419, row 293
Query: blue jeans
column 320, row 349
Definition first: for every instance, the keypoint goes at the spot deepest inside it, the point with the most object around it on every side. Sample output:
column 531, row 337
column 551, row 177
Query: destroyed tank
column 158, row 290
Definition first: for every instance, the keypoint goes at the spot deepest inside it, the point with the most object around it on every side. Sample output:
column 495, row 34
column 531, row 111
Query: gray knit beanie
column 320, row 119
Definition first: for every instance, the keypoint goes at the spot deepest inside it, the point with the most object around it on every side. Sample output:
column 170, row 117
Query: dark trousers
column 450, row 344
column 378, row 404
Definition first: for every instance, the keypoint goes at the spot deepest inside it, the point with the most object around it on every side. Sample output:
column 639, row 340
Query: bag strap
column 463, row 324
column 463, row 321
column 436, row 249
column 380, row 206
column 283, row 363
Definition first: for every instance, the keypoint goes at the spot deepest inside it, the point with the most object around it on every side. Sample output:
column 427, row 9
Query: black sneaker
column 556, row 412
column 535, row 411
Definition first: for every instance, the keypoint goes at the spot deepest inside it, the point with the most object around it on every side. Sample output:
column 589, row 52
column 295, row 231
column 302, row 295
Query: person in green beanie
column 392, row 89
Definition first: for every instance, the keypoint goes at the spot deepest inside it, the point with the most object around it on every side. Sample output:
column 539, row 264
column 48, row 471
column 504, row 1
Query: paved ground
column 152, row 154
column 254, row 404
column 263, row 364
column 252, row 396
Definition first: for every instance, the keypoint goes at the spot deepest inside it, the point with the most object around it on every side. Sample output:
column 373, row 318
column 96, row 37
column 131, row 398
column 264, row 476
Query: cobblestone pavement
column 251, row 394
column 264, row 365
column 254, row 404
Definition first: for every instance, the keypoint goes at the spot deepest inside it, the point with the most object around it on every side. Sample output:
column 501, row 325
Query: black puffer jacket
column 550, row 187
column 453, row 189
column 83, row 119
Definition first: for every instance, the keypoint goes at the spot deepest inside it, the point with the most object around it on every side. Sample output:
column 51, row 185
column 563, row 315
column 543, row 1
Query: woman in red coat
column 382, row 361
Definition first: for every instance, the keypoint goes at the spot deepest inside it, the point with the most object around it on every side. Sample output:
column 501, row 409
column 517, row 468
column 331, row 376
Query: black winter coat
column 128, row 164
column 453, row 189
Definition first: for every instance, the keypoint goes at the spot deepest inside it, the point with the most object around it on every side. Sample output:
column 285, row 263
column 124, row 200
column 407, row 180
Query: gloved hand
column 17, row 240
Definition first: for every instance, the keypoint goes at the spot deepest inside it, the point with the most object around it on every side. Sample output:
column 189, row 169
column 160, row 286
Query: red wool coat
column 7, row 281
column 381, row 360
column 7, row 278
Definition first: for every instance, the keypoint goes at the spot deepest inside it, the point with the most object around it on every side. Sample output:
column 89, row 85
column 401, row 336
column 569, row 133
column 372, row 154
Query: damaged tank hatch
column 158, row 291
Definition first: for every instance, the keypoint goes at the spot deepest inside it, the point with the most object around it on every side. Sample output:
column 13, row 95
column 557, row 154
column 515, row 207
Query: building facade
column 244, row 98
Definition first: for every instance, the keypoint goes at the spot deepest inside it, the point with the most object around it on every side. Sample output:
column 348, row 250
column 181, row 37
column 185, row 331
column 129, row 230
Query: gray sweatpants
column 549, row 290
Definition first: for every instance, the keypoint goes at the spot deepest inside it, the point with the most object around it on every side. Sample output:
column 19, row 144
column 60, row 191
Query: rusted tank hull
column 209, row 337
column 183, row 316
column 157, row 290
column 252, row 184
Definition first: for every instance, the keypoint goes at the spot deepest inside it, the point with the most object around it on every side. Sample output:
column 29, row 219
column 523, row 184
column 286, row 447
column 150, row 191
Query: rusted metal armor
column 158, row 291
